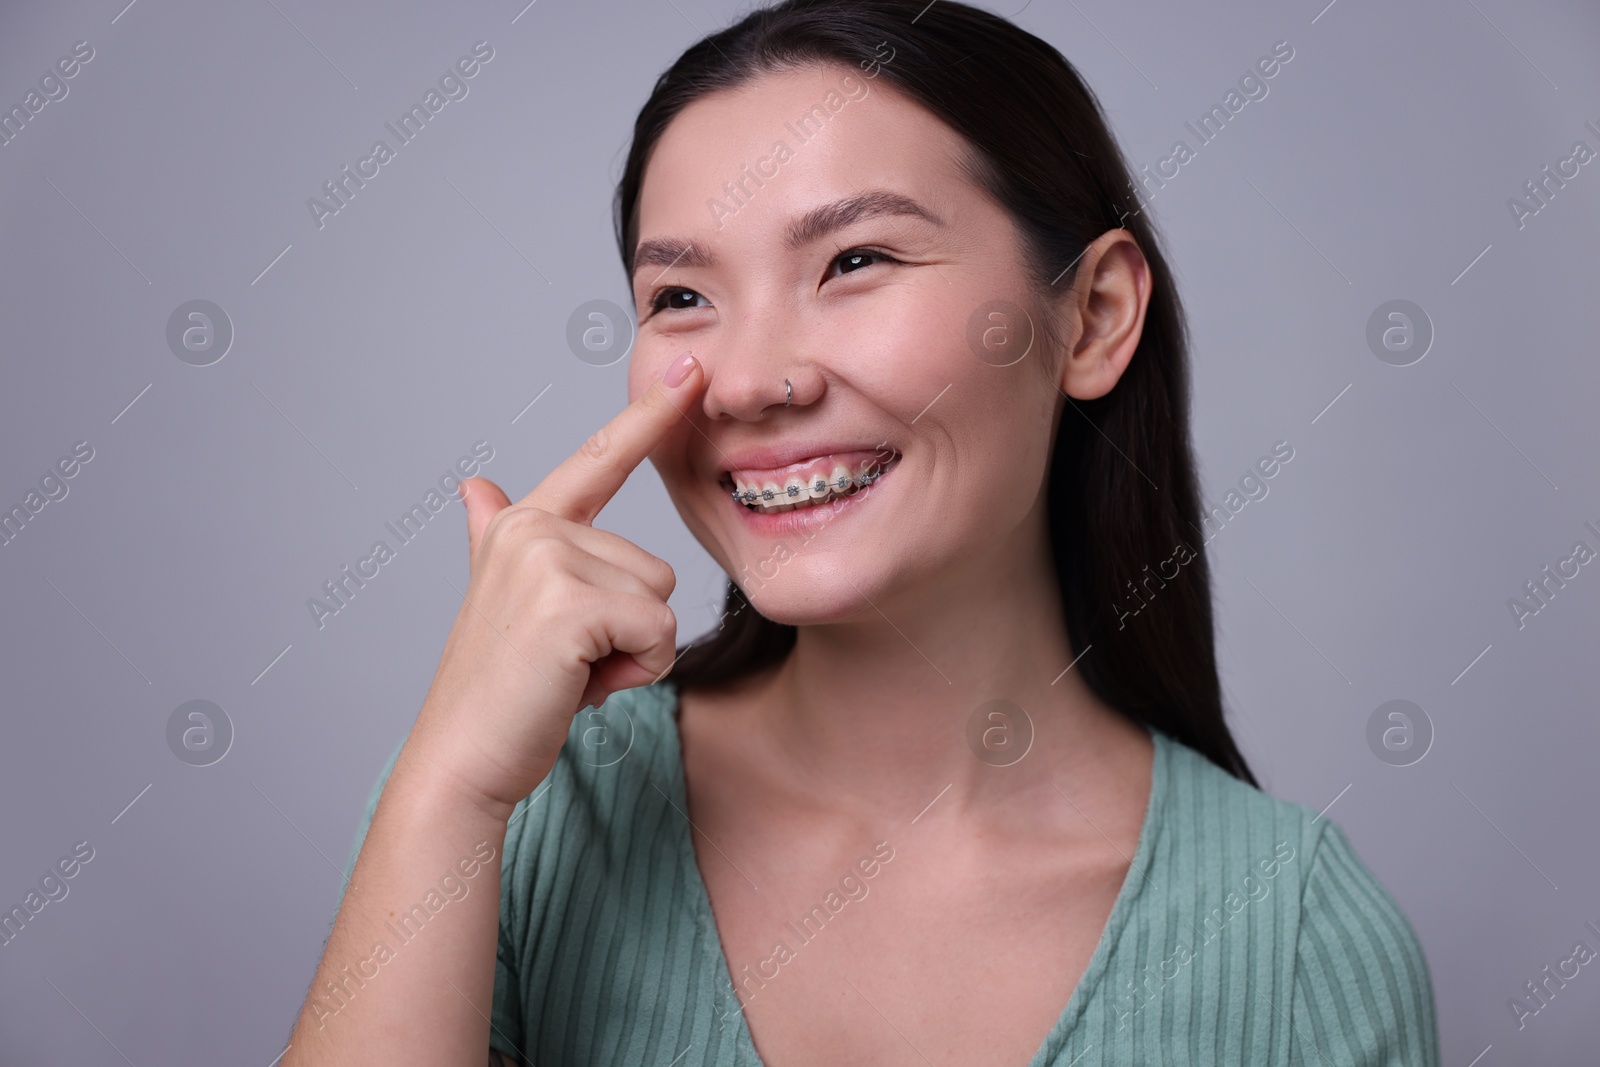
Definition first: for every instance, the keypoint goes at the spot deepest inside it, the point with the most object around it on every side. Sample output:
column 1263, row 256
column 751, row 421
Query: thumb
column 483, row 501
column 612, row 673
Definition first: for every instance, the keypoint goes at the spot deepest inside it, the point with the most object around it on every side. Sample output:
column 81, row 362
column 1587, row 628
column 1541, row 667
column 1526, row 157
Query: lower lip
column 809, row 520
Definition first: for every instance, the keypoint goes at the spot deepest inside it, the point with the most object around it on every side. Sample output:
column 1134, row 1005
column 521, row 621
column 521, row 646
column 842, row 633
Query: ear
column 1102, row 315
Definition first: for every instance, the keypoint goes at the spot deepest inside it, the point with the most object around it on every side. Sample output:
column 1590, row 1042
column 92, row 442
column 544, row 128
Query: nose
column 750, row 360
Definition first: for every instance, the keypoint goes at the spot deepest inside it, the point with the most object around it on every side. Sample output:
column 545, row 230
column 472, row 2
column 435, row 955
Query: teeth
column 801, row 490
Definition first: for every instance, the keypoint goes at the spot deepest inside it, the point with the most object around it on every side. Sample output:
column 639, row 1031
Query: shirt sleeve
column 506, row 1031
column 1362, row 993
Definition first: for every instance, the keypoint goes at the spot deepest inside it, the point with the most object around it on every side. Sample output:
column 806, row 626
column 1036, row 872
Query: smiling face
column 816, row 226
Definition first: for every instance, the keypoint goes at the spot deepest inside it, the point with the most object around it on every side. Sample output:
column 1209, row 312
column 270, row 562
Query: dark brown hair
column 1122, row 485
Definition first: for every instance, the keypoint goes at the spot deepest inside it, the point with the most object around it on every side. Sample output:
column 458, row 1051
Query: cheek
column 902, row 353
column 998, row 423
column 988, row 426
column 983, row 430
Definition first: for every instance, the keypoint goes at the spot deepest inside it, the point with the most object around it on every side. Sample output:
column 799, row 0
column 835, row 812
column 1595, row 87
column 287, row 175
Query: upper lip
column 775, row 457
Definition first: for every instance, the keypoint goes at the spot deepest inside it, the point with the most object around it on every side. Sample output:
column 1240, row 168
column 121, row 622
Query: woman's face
column 814, row 226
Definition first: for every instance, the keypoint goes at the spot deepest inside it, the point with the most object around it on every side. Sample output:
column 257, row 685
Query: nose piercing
column 788, row 393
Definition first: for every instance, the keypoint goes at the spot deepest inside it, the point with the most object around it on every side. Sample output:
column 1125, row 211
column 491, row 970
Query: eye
column 677, row 298
column 853, row 259
column 670, row 297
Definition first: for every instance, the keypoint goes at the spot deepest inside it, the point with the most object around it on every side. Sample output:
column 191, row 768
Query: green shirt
column 1246, row 931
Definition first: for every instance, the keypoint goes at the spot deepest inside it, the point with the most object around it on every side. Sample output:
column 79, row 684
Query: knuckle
column 497, row 523
column 598, row 446
column 530, row 516
column 548, row 554
column 668, row 576
column 564, row 602
column 517, row 520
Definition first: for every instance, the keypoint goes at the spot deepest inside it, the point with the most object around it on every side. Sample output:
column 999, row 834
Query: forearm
column 408, row 972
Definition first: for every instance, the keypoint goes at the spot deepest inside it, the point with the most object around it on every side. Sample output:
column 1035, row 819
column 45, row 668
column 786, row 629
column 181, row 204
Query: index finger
column 586, row 481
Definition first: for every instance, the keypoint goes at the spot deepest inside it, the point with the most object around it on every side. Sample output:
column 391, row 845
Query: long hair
column 1123, row 498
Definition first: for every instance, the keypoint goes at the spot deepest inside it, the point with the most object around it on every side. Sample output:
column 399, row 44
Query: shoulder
column 1362, row 991
column 1341, row 950
column 1212, row 822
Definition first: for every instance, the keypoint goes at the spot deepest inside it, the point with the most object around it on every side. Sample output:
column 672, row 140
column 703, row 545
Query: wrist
column 434, row 784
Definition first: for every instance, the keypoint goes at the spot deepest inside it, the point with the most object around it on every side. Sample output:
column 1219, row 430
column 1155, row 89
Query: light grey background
column 428, row 313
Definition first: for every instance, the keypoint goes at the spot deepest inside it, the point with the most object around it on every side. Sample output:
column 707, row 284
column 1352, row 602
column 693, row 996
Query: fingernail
column 679, row 371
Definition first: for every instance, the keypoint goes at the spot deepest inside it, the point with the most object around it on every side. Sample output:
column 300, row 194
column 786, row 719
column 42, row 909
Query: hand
column 557, row 616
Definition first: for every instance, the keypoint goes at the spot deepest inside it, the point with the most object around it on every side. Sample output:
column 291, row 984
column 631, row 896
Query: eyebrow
column 667, row 252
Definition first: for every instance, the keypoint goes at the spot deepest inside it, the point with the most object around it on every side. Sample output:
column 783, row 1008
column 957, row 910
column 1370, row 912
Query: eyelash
column 658, row 300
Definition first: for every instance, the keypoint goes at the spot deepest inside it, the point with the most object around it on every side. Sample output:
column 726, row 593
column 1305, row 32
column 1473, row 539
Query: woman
column 911, row 368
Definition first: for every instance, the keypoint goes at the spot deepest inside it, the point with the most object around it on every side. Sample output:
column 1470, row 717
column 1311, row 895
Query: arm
column 557, row 616
column 409, row 968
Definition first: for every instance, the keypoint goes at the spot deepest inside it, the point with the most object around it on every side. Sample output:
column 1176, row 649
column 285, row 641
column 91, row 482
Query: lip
column 779, row 459
column 807, row 522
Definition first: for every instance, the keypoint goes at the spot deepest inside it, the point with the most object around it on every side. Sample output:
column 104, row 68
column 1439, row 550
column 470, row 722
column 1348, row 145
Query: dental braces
column 750, row 496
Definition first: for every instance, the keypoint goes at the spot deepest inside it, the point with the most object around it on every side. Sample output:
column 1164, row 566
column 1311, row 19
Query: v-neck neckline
column 1133, row 883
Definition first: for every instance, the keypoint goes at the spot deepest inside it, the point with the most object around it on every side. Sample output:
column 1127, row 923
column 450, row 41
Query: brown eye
column 854, row 259
column 674, row 299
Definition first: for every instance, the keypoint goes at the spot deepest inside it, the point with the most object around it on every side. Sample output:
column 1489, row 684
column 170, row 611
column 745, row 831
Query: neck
column 884, row 712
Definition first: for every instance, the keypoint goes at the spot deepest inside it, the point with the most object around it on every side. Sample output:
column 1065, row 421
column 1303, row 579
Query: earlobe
column 1107, row 304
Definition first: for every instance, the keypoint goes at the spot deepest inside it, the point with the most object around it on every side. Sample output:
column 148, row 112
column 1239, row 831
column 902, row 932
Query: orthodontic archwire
column 749, row 496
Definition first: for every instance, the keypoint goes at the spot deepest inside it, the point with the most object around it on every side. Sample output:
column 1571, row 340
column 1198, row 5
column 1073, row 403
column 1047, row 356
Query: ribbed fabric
column 1246, row 931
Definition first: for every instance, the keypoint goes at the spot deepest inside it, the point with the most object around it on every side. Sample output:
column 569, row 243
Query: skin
column 936, row 595
column 933, row 597
column 557, row 615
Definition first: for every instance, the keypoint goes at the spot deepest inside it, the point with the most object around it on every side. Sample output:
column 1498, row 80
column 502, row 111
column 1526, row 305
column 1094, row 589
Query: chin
column 795, row 598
